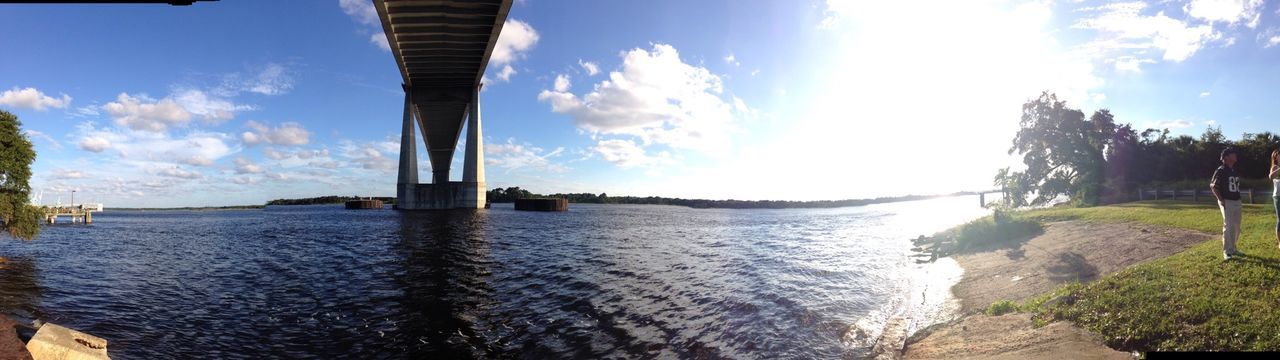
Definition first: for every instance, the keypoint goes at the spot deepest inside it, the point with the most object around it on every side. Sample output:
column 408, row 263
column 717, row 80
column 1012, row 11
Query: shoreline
column 1068, row 251
column 11, row 346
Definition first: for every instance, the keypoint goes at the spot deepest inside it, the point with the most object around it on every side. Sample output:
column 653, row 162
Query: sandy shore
column 1067, row 251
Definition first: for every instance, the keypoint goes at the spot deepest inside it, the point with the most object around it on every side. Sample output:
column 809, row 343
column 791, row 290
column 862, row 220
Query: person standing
column 1226, row 188
column 1274, row 174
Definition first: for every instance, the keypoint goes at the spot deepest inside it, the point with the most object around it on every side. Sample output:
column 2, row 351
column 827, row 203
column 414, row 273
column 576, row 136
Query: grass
column 1001, row 227
column 1192, row 300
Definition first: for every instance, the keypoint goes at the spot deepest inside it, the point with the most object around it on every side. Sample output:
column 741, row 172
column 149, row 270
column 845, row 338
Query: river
column 600, row 281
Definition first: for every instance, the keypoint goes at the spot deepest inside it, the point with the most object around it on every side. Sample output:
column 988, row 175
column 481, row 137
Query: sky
column 240, row 102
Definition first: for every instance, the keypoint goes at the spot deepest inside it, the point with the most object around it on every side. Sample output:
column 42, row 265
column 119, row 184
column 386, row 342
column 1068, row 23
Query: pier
column 80, row 214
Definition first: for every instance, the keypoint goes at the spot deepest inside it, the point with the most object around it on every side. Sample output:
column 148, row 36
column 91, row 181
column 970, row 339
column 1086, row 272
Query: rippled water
column 610, row 281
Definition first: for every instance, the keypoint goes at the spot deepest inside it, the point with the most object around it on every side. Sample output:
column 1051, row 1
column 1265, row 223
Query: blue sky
column 239, row 102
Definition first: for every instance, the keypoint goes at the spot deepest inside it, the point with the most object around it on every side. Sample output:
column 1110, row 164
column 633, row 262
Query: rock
column 53, row 342
column 11, row 346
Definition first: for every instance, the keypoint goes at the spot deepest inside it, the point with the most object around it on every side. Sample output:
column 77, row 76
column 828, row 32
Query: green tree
column 1064, row 153
column 20, row 219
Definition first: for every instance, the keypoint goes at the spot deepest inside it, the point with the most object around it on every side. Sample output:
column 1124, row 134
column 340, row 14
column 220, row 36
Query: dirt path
column 1010, row 337
column 1067, row 251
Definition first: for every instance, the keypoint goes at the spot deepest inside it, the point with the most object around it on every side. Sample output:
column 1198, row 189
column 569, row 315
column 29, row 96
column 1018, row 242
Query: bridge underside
column 442, row 48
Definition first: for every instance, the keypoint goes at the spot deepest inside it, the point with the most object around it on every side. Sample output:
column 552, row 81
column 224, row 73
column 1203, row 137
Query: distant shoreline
column 510, row 194
column 586, row 198
column 193, row 208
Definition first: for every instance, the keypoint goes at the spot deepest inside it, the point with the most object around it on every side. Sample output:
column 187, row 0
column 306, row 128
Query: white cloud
column 270, row 79
column 68, row 174
column 368, row 157
column 196, row 148
column 1172, row 124
column 517, row 38
column 31, row 98
column 94, row 144
column 626, row 154
column 246, row 166
column 273, row 154
column 380, row 39
column 211, row 109
column 244, row 180
column 835, row 10
column 1231, row 12
column 591, row 68
column 731, row 60
column 657, row 97
column 1130, row 64
column 40, row 135
column 1211, row 122
column 514, row 156
column 1123, row 28
column 1204, row 94
column 742, row 109
column 287, row 134
column 143, row 113
column 562, row 83
column 86, row 111
column 361, row 11
column 175, row 172
column 1270, row 37
column 507, row 71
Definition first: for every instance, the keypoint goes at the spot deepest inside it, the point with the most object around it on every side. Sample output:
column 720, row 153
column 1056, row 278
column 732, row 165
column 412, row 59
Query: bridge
column 442, row 48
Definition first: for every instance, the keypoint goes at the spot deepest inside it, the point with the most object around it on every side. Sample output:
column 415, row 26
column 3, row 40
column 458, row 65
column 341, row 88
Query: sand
column 1067, row 251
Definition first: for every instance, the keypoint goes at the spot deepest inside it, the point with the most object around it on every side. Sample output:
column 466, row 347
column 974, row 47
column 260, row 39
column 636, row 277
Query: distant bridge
column 442, row 48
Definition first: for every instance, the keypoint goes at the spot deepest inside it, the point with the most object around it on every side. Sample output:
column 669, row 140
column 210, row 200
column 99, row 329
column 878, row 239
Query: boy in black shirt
column 1226, row 187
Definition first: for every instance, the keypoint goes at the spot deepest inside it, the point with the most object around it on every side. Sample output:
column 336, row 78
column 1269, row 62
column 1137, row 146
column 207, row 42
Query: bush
column 1002, row 307
column 1002, row 226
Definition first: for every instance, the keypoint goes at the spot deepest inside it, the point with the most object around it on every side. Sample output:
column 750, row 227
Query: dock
column 80, row 214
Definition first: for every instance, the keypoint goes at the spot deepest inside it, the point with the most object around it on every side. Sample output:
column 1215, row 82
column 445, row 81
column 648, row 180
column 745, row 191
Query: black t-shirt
column 1227, row 183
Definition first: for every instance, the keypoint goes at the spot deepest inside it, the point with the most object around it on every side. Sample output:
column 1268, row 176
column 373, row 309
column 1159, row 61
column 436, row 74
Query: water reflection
column 600, row 281
column 20, row 290
column 447, row 269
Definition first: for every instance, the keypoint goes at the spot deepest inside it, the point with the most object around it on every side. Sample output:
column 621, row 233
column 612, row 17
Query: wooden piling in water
column 364, row 204
column 542, row 204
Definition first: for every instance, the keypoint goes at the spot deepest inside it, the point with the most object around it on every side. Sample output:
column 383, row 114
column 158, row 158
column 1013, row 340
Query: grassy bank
column 1192, row 300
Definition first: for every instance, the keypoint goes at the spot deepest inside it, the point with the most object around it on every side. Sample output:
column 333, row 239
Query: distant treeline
column 1156, row 158
column 510, row 194
column 327, row 200
column 232, row 207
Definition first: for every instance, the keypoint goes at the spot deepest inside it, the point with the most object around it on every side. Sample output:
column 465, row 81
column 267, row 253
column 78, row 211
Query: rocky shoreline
column 11, row 346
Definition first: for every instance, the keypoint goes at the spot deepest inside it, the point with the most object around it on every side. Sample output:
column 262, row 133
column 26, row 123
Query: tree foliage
column 1064, row 153
column 20, row 219
column 1096, row 160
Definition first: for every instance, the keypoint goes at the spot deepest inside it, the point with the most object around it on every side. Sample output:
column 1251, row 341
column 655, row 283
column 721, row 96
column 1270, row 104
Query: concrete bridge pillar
column 430, row 108
column 408, row 176
column 473, row 196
